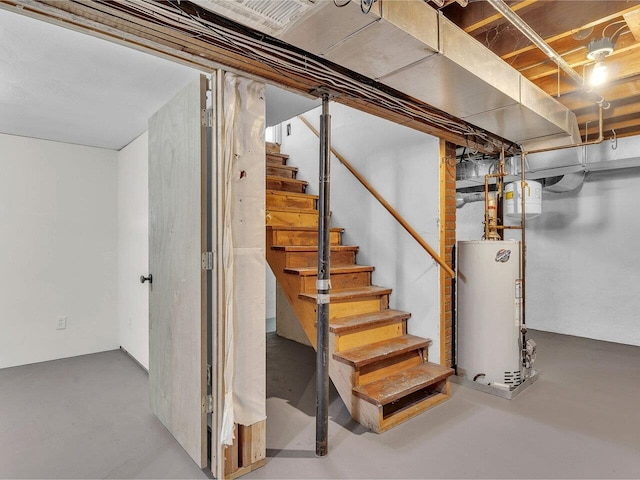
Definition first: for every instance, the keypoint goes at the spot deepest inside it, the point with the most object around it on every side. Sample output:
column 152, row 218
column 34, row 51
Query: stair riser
column 271, row 147
column 384, row 368
column 280, row 171
column 373, row 416
column 276, row 160
column 303, row 239
column 292, row 219
column 365, row 305
column 364, row 337
column 339, row 281
column 274, row 184
column 285, row 201
column 310, row 259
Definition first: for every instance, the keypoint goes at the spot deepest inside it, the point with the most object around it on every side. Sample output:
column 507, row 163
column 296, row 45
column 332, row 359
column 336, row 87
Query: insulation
column 243, row 253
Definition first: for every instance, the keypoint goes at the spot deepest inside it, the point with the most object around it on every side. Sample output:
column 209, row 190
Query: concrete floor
column 87, row 417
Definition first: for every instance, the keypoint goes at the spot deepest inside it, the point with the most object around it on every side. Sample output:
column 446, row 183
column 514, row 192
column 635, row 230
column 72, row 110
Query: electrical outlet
column 61, row 323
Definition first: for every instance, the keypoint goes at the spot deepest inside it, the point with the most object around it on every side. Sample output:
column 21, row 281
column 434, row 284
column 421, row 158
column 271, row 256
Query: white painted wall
column 583, row 265
column 402, row 164
column 133, row 248
column 58, row 241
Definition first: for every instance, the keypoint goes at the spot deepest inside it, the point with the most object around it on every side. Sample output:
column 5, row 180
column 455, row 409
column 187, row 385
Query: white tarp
column 243, row 151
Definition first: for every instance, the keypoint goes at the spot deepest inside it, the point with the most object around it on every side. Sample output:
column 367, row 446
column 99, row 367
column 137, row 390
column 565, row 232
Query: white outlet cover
column 61, row 323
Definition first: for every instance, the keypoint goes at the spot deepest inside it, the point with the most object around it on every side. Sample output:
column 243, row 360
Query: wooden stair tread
column 311, row 271
column 277, row 154
column 291, row 210
column 374, row 352
column 292, row 181
column 313, row 248
column 286, row 167
column 366, row 320
column 401, row 384
column 301, row 229
column 347, row 294
column 291, row 194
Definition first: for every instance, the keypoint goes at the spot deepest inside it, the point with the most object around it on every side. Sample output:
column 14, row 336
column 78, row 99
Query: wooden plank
column 231, row 453
column 412, row 411
column 362, row 356
column 349, row 294
column 355, row 307
column 403, row 383
column 300, row 236
column 291, row 217
column 282, row 171
column 177, row 306
column 286, row 184
column 339, row 281
column 390, row 366
column 277, row 158
column 374, row 334
column 616, row 9
column 340, row 255
column 343, row 325
column 309, row 271
column 271, row 147
column 633, row 22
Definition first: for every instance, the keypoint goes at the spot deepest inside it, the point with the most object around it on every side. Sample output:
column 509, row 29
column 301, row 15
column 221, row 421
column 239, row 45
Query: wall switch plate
column 61, row 323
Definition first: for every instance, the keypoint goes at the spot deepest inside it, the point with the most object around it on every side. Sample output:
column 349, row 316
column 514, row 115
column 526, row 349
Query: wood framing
column 248, row 451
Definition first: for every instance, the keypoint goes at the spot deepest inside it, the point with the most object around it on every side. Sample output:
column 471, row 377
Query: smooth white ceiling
column 61, row 85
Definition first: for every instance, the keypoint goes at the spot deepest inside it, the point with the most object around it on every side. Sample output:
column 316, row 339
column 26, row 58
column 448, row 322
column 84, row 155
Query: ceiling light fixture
column 597, row 51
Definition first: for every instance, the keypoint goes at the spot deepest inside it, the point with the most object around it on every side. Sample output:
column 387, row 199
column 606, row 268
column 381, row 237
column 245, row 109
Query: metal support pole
column 323, row 285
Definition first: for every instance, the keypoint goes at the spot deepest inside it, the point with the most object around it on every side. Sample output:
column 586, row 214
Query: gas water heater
column 489, row 310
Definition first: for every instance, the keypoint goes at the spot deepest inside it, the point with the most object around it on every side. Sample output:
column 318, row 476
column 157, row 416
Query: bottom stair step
column 402, row 384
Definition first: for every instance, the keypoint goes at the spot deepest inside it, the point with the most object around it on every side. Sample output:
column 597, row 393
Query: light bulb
column 598, row 74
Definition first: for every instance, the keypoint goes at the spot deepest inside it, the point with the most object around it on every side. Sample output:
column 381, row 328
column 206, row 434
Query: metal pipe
column 583, row 144
column 323, row 284
column 523, row 260
column 539, row 42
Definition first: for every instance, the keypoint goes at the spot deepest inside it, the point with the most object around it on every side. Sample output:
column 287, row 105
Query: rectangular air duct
column 415, row 49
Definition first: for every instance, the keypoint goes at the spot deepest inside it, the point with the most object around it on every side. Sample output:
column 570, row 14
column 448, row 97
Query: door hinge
column 207, row 404
column 209, row 375
column 207, row 260
column 206, row 117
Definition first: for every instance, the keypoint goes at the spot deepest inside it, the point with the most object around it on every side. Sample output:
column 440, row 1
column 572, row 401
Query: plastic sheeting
column 243, row 151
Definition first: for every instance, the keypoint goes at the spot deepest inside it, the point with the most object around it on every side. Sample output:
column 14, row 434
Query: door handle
column 146, row 279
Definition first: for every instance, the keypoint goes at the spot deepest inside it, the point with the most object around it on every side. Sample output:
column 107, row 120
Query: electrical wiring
column 604, row 30
column 347, row 2
column 289, row 62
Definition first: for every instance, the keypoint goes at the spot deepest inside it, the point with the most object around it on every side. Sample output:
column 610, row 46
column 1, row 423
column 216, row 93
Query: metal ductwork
column 570, row 162
column 415, row 49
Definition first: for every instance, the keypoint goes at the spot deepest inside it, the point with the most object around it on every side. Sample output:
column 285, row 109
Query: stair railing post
column 323, row 284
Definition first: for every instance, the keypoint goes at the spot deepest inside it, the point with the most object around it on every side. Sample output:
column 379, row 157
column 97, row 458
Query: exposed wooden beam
column 616, row 110
column 578, row 59
column 477, row 15
column 626, row 124
column 617, row 9
column 577, row 101
column 621, row 66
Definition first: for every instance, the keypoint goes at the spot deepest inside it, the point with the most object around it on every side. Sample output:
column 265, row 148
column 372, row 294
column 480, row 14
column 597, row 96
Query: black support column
column 323, row 284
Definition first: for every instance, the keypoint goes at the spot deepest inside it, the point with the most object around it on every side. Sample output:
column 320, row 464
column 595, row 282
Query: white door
column 179, row 306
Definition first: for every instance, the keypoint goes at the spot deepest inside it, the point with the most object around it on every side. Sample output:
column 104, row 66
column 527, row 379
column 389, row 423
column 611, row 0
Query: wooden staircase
column 382, row 373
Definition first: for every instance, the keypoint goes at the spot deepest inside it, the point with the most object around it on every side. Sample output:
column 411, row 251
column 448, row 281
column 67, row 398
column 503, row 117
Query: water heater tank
column 532, row 199
column 489, row 302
